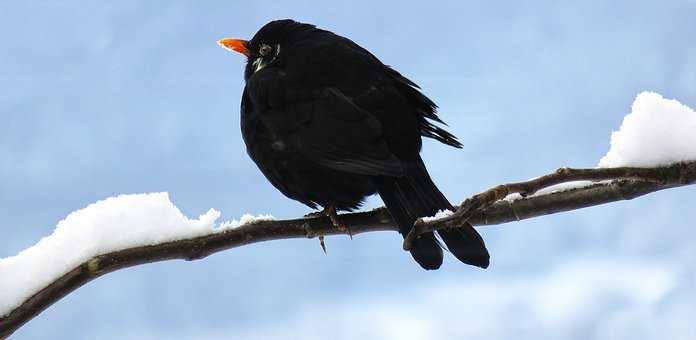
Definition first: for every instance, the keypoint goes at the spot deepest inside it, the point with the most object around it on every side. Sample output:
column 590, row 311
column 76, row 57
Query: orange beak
column 236, row 45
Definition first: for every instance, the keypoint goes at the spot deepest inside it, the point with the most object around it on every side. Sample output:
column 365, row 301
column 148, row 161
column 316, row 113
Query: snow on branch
column 658, row 131
column 655, row 149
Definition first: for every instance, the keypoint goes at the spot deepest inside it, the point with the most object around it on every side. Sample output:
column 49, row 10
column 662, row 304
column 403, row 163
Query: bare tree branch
column 662, row 177
column 487, row 209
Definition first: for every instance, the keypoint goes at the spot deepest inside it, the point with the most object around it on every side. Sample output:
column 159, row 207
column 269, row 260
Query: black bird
column 329, row 124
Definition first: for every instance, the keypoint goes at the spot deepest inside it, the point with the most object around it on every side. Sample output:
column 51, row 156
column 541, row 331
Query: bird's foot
column 330, row 212
column 333, row 216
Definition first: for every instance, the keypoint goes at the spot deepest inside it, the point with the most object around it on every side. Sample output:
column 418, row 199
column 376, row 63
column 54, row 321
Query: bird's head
column 264, row 49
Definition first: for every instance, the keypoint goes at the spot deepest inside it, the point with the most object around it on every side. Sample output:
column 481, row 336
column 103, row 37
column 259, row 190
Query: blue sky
column 126, row 97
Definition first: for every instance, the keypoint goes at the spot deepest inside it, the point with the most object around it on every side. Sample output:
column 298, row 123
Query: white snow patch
column 440, row 214
column 658, row 131
column 552, row 189
column 109, row 225
column 245, row 219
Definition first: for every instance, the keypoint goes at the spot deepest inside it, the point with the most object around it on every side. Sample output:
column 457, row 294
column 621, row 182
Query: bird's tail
column 415, row 195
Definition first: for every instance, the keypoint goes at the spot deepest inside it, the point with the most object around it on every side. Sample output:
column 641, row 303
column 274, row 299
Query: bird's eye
column 265, row 50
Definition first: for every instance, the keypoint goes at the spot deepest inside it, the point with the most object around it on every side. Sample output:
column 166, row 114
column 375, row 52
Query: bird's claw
column 322, row 244
column 330, row 212
column 340, row 226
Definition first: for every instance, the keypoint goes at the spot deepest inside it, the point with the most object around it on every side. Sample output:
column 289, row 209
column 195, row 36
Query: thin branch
column 618, row 184
column 661, row 177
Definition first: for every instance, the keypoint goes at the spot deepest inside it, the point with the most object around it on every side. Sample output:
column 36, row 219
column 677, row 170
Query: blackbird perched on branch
column 329, row 124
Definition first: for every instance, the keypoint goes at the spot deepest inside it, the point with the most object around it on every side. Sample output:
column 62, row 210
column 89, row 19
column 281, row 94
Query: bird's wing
column 354, row 70
column 322, row 124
